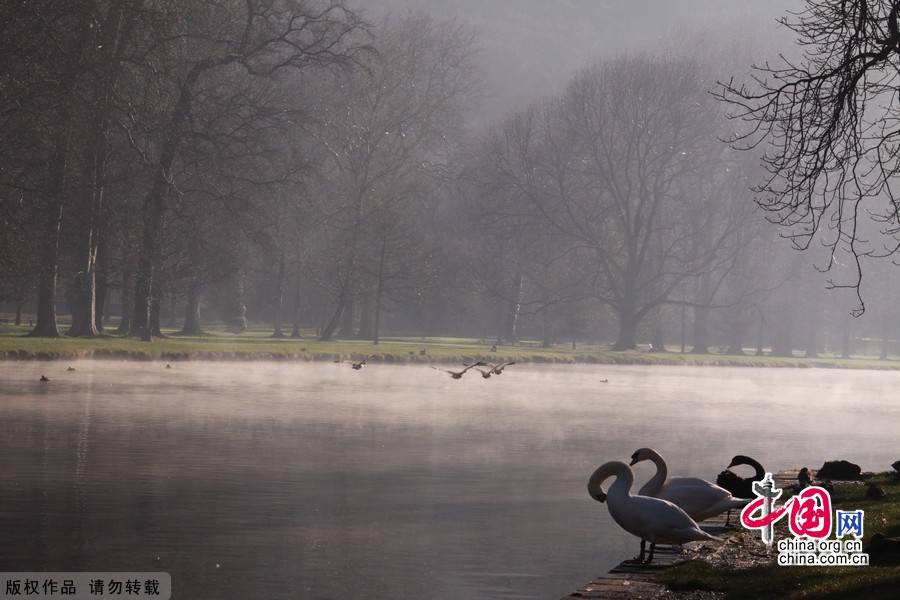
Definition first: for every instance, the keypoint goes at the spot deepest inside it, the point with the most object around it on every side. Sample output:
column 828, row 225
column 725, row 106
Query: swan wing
column 654, row 519
column 699, row 498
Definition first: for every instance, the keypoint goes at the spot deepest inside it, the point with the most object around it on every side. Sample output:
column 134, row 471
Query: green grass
column 772, row 581
column 258, row 344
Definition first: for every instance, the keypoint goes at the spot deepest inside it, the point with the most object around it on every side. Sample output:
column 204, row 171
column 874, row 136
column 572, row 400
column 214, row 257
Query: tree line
column 292, row 162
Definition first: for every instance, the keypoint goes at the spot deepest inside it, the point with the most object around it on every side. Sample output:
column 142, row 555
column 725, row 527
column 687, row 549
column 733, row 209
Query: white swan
column 699, row 498
column 651, row 519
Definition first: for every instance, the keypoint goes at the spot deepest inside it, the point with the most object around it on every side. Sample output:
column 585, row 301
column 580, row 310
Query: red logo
column 810, row 513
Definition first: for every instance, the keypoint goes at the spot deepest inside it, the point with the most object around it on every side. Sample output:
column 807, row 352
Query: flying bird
column 485, row 374
column 357, row 365
column 498, row 368
column 459, row 374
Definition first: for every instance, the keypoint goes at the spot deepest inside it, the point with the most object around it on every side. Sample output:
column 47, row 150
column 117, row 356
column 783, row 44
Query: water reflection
column 316, row 481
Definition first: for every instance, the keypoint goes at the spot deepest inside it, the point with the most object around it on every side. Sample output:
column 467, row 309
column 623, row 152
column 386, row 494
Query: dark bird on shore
column 883, row 550
column 168, row 366
column 70, row 368
column 604, row 381
column 498, row 369
column 459, row 374
column 44, row 378
column 740, row 487
column 841, row 470
column 494, row 348
column 423, row 352
column 875, row 492
column 804, row 479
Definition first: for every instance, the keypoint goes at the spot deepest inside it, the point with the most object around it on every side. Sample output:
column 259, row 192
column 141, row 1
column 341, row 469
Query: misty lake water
column 265, row 480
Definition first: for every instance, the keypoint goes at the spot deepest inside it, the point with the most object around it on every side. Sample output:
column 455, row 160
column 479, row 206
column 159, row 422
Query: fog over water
column 316, row 481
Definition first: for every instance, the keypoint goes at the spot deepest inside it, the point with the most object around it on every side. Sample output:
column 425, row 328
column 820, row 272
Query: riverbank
column 742, row 568
column 768, row 580
column 259, row 345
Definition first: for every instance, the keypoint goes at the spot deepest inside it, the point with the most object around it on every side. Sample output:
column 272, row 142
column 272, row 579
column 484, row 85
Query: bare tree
column 609, row 166
column 828, row 122
column 383, row 128
column 248, row 40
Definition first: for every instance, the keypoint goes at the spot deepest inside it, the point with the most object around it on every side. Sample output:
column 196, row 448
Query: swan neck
column 595, row 484
column 760, row 472
column 621, row 487
column 659, row 478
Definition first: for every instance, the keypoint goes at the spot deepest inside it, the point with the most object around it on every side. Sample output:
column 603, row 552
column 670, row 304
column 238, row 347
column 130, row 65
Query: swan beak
column 600, row 497
column 633, row 462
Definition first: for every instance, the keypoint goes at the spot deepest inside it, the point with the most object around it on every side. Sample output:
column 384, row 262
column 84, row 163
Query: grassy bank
column 772, row 581
column 259, row 345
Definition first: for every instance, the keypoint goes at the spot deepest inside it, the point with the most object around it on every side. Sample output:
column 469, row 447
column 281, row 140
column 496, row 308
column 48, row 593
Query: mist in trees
column 330, row 170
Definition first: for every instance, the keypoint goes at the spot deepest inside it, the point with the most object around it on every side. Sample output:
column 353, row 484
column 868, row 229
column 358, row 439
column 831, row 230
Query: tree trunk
column 127, row 299
column 52, row 222
column 173, row 310
column 513, row 308
column 366, row 329
column 192, row 309
column 736, row 331
column 154, row 203
column 782, row 341
column 149, row 258
column 279, row 299
column 701, row 316
column 102, row 285
column 348, row 316
column 295, row 330
column 345, row 298
column 628, row 323
column 546, row 337
column 155, row 308
column 84, row 317
column 659, row 334
column 51, row 219
column 760, row 328
column 379, row 292
column 328, row 330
